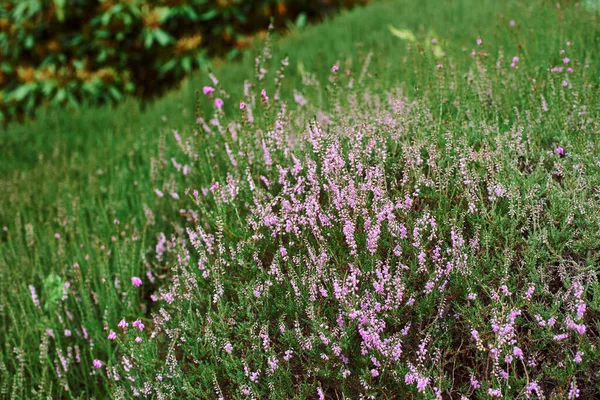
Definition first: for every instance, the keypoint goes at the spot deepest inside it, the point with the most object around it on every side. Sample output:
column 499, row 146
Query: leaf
column 186, row 63
column 53, row 290
column 114, row 92
column 301, row 21
column 60, row 9
column 21, row 92
column 403, row 34
column 209, row 15
column 162, row 37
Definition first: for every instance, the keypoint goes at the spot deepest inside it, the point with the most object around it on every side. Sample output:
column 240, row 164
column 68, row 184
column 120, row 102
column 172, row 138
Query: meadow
column 400, row 202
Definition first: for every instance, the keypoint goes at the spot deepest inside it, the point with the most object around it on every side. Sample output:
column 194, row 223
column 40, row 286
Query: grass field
column 422, row 222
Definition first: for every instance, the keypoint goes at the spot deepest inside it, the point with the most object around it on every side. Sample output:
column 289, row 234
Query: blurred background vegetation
column 73, row 52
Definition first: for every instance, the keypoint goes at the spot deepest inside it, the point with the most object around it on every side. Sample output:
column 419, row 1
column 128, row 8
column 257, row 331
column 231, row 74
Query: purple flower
column 135, row 281
column 123, row 324
column 228, row 348
column 335, row 68
column 219, row 103
column 97, row 363
column 138, row 324
column 112, row 335
column 374, row 373
column 566, row 60
column 208, row 89
column 479, row 41
column 518, row 352
column 560, row 151
column 138, row 339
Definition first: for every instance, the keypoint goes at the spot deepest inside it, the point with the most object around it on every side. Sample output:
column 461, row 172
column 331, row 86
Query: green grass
column 74, row 173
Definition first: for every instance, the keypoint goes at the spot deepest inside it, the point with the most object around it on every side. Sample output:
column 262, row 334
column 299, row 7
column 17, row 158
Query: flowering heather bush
column 325, row 235
column 376, row 247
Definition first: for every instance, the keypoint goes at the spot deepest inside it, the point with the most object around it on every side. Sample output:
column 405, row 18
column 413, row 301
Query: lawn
column 420, row 220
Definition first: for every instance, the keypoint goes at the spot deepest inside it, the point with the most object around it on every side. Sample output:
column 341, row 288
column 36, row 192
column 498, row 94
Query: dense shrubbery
column 69, row 52
column 322, row 235
column 376, row 246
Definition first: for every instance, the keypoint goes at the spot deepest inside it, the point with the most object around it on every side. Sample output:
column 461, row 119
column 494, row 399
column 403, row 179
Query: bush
column 92, row 51
column 375, row 246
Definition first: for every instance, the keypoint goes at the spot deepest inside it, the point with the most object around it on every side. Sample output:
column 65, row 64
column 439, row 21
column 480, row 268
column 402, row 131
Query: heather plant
column 324, row 233
column 377, row 246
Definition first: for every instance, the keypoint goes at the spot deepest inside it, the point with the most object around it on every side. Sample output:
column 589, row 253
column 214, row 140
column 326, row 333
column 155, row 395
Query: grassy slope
column 73, row 173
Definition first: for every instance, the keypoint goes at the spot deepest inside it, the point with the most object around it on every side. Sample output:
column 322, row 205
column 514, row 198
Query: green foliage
column 73, row 173
column 98, row 51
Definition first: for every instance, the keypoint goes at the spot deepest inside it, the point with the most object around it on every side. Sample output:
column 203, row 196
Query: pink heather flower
column 242, row 105
column 565, row 83
column 474, row 382
column 57, row 235
column 580, row 310
column 208, row 89
column 512, row 22
column 116, row 222
column 335, row 68
column 517, row 352
column 97, row 364
column 494, row 392
column 515, row 59
column 473, row 53
column 577, row 357
column 138, row 324
column 475, row 334
column 320, row 393
column 219, row 103
column 422, row 384
column 560, row 151
column 479, row 41
column 228, row 348
column 434, row 41
column 112, row 335
column 374, row 373
column 34, row 296
column 123, row 324
column 158, row 193
column 570, row 70
column 67, row 333
column 566, row 60
column 561, row 337
column 138, row 339
column 135, row 281
column 568, row 43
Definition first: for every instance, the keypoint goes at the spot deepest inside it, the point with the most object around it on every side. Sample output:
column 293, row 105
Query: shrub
column 375, row 246
column 91, row 51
